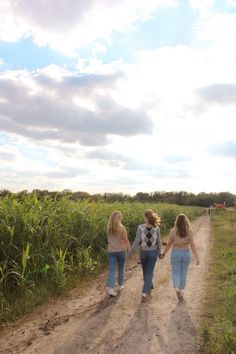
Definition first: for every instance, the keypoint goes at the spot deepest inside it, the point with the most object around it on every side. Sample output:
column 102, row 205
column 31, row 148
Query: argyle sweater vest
column 149, row 237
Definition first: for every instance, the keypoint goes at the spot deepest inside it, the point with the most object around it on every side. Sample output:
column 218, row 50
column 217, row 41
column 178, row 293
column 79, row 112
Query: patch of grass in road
column 219, row 332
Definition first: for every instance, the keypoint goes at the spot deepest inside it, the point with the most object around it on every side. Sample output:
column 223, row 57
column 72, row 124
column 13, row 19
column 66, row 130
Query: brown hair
column 182, row 225
column 114, row 225
column 152, row 218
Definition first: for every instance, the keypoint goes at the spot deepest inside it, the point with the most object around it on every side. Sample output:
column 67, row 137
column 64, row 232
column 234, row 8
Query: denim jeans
column 116, row 259
column 148, row 261
column 180, row 260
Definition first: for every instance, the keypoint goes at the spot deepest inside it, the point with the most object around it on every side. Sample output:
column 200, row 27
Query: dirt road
column 90, row 322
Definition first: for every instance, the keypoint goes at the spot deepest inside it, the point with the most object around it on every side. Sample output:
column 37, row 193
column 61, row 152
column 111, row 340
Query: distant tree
column 21, row 195
column 116, row 197
column 4, row 193
column 142, row 197
column 80, row 195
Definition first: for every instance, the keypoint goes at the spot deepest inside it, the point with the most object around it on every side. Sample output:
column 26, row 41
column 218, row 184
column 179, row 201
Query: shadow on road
column 181, row 330
column 81, row 341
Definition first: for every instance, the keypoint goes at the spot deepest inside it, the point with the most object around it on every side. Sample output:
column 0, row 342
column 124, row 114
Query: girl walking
column 118, row 245
column 181, row 240
column 148, row 241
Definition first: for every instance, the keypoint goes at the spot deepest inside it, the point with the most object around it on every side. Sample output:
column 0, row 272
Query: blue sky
column 126, row 96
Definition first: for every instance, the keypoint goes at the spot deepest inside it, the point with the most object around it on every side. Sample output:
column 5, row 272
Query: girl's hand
column 197, row 261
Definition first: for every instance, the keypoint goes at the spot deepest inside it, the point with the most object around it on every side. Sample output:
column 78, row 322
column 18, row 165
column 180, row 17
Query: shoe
column 144, row 298
column 120, row 288
column 112, row 292
column 179, row 295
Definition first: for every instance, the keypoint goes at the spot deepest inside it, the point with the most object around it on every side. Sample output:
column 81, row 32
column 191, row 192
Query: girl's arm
column 126, row 239
column 136, row 243
column 193, row 247
column 169, row 244
column 159, row 240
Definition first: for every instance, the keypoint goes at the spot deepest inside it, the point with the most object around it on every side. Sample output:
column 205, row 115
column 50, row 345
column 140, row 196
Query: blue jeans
column 180, row 260
column 116, row 259
column 148, row 261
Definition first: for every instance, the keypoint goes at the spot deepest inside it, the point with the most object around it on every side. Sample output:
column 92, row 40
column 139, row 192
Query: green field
column 49, row 245
column 219, row 332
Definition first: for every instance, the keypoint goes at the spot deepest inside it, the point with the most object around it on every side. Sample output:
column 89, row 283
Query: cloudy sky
column 118, row 96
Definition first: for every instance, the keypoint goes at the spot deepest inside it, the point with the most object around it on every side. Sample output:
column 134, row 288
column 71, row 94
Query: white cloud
column 98, row 48
column 224, row 94
column 163, row 119
column 76, row 24
column 231, row 3
column 224, row 148
column 44, row 108
column 163, row 85
column 203, row 6
column 219, row 27
column 8, row 154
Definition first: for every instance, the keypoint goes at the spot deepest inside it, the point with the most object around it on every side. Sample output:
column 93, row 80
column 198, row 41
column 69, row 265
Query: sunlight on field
column 47, row 243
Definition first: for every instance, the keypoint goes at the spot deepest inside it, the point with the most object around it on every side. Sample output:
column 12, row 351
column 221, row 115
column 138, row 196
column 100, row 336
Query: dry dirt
column 90, row 322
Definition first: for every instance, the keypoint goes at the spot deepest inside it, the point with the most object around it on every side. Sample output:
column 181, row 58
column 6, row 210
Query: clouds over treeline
column 69, row 108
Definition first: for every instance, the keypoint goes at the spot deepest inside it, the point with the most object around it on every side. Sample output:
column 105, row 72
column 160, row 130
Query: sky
column 118, row 96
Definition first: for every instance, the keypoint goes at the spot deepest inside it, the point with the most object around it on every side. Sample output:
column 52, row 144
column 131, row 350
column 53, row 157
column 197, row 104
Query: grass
column 47, row 245
column 219, row 332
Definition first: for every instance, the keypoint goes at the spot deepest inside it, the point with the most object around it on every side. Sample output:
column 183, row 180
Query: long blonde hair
column 182, row 225
column 152, row 218
column 114, row 225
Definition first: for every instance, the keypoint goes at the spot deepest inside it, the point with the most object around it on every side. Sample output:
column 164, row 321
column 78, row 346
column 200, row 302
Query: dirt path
column 90, row 322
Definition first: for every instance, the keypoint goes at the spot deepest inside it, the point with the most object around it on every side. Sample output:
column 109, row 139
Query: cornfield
column 51, row 241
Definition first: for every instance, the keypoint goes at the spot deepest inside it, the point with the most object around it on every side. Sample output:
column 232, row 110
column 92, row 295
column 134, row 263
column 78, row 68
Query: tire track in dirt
column 90, row 322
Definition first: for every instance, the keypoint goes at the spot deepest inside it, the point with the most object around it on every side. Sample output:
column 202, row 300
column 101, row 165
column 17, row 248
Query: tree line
column 180, row 198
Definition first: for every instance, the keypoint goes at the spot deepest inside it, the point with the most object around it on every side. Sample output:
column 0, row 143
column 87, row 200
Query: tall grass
column 45, row 244
column 219, row 332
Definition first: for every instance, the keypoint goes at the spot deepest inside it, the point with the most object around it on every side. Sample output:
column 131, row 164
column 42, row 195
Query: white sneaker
column 120, row 288
column 112, row 292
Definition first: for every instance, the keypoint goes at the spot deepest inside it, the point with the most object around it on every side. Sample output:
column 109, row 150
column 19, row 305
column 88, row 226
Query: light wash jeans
column 116, row 259
column 180, row 260
column 148, row 261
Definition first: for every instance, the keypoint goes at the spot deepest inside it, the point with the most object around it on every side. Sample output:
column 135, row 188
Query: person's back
column 116, row 243
column 149, row 237
column 148, row 241
column 181, row 239
column 180, row 242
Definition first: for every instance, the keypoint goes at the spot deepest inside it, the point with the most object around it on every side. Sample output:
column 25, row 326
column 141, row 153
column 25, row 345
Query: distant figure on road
column 118, row 245
column 148, row 241
column 181, row 239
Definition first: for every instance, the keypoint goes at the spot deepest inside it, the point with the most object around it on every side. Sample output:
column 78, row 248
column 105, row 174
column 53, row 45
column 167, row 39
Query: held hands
column 128, row 254
column 162, row 256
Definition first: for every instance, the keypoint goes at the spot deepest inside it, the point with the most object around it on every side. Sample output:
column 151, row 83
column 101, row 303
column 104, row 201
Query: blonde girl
column 181, row 240
column 118, row 245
